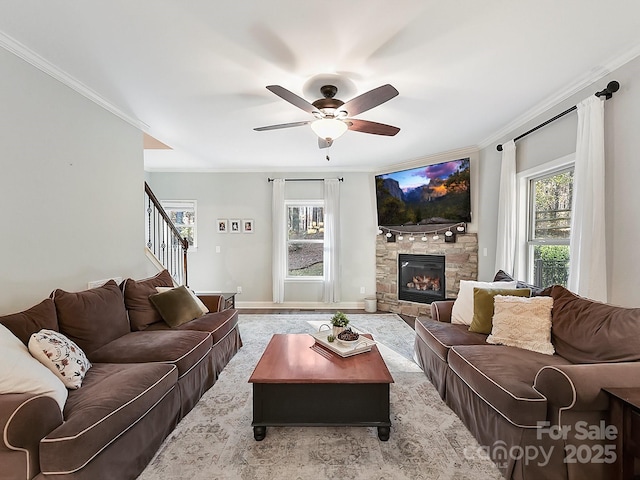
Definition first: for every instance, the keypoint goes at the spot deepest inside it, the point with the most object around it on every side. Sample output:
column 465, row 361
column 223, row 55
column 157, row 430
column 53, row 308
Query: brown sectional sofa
column 530, row 411
column 145, row 377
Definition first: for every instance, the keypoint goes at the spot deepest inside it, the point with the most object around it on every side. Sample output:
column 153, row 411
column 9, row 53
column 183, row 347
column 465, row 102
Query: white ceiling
column 192, row 74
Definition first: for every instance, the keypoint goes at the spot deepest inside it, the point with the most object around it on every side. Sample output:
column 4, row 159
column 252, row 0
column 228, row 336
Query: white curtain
column 587, row 249
column 279, row 257
column 507, row 234
column 331, row 240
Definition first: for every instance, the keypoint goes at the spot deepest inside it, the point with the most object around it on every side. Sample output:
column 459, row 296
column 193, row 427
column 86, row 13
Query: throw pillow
column 92, row 318
column 60, row 355
column 462, row 311
column 136, row 293
column 483, row 306
column 21, row 373
column 502, row 276
column 523, row 322
column 202, row 306
column 176, row 306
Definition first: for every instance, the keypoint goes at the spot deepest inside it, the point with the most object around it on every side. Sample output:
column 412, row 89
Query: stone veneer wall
column 461, row 263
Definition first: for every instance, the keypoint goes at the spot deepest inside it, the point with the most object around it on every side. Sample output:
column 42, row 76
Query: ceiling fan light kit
column 329, row 128
column 333, row 116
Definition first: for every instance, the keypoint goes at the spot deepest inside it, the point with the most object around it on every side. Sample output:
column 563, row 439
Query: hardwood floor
column 409, row 320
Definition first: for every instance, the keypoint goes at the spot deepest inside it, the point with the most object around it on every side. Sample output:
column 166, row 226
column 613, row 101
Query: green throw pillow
column 176, row 306
column 483, row 306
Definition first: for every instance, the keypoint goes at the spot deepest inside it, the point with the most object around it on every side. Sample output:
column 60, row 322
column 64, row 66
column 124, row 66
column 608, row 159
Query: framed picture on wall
column 247, row 225
column 235, row 225
column 223, row 225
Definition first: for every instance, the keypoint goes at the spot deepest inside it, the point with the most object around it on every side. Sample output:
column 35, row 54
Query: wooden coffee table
column 300, row 383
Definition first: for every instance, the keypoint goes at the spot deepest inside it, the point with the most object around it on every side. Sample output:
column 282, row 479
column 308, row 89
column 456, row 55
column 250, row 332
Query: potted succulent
column 339, row 322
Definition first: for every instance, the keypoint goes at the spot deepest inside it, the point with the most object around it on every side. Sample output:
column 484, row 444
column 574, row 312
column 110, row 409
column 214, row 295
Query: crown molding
column 595, row 75
column 456, row 154
column 31, row 57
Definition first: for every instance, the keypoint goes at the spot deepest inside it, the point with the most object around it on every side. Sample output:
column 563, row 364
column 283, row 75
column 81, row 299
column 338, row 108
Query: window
column 305, row 240
column 183, row 215
column 549, row 227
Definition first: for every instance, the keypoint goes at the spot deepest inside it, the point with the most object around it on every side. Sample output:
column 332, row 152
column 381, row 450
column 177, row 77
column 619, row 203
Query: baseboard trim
column 301, row 305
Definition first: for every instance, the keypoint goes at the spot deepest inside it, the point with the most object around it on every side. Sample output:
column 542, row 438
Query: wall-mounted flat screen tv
column 437, row 193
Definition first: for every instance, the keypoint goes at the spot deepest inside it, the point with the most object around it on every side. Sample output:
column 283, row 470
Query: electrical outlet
column 362, row 290
column 217, row 248
column 238, row 289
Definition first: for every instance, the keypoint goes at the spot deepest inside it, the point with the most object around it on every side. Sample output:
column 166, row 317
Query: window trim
column 523, row 206
column 301, row 203
column 186, row 205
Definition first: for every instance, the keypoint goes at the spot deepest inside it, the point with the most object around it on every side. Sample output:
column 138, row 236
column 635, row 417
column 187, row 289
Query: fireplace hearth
column 421, row 278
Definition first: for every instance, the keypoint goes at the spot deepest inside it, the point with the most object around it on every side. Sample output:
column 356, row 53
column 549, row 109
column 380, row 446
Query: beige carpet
column 215, row 440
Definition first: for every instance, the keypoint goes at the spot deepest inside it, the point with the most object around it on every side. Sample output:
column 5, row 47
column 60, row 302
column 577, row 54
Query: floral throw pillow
column 61, row 356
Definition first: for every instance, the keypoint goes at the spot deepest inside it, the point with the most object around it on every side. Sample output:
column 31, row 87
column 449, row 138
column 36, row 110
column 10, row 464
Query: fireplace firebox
column 421, row 278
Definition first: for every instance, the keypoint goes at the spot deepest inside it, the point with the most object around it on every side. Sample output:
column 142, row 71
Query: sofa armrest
column 25, row 419
column 214, row 302
column 579, row 387
column 441, row 311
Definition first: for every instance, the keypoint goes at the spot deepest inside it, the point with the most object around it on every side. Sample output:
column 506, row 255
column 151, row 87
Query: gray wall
column 245, row 259
column 72, row 176
column 71, row 187
column 622, row 118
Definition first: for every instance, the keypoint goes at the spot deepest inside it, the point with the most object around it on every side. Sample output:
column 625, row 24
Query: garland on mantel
column 449, row 231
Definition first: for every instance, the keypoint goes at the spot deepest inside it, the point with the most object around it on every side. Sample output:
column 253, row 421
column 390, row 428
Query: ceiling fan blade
column 376, row 128
column 282, row 125
column 369, row 99
column 292, row 98
column 324, row 142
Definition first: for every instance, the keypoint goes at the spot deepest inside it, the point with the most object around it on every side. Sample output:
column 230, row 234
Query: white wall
column 245, row 259
column 622, row 118
column 71, row 187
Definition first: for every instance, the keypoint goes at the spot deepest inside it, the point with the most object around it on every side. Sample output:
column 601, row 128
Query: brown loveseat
column 537, row 416
column 145, row 377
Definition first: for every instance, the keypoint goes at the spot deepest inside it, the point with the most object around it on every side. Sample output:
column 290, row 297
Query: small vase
column 337, row 330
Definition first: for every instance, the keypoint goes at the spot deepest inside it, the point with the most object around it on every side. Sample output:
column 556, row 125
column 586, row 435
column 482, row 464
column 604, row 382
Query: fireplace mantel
column 461, row 263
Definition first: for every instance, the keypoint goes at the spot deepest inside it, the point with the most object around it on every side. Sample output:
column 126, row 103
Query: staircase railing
column 164, row 240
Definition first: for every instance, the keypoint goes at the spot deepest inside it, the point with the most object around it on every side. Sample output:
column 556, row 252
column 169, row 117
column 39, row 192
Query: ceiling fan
column 334, row 117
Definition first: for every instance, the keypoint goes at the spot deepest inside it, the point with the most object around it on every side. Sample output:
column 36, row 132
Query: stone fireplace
column 460, row 260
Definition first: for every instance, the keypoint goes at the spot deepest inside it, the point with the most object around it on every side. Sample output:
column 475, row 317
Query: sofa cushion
column 462, row 311
column 136, row 293
column 440, row 336
column 523, row 323
column 586, row 331
column 176, row 306
column 182, row 348
column 60, row 355
column 112, row 399
column 25, row 324
column 218, row 324
column 92, row 318
column 21, row 373
column 503, row 377
column 483, row 306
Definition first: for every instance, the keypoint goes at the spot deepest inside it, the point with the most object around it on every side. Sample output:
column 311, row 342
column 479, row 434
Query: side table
column 229, row 299
column 624, row 414
column 211, row 299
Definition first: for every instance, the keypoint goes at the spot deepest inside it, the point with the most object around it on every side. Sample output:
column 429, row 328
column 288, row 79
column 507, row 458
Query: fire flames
column 420, row 282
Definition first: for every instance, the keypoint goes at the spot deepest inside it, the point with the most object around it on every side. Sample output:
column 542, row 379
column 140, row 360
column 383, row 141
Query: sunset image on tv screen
column 436, row 193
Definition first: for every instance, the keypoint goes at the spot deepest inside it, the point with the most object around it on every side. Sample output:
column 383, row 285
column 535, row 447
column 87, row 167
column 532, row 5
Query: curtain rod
column 608, row 92
column 304, row 179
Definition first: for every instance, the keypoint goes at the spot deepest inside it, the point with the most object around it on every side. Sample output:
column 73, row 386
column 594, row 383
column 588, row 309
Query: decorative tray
column 364, row 344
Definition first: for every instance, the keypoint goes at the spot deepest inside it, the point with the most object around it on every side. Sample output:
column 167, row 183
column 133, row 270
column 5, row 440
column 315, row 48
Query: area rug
column 215, row 440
